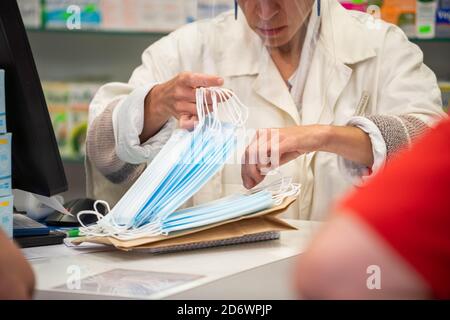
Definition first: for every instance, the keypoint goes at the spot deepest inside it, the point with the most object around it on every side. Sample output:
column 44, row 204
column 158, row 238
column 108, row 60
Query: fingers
column 188, row 122
column 188, row 94
column 268, row 151
column 184, row 108
column 264, row 149
column 251, row 176
column 186, row 98
column 197, row 80
column 288, row 157
column 256, row 158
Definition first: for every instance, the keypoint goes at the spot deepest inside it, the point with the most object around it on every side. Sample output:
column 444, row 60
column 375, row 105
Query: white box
column 2, row 103
column 31, row 12
column 6, row 215
column 5, row 164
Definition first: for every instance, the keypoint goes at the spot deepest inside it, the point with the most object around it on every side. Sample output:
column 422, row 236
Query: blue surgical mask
column 226, row 209
column 186, row 177
column 183, row 166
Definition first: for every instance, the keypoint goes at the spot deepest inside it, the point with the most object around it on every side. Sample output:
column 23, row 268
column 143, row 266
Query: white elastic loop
column 199, row 105
column 293, row 190
column 95, row 212
column 280, row 189
column 223, row 99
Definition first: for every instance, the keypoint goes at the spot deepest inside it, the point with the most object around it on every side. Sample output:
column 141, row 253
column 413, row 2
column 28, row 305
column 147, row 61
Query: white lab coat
column 350, row 59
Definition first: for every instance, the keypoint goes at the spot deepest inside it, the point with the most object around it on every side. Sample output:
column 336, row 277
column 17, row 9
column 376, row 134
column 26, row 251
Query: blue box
column 6, row 215
column 443, row 19
column 2, row 102
column 5, row 164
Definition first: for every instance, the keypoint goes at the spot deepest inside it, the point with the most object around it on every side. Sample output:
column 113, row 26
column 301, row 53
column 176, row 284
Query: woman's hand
column 272, row 148
column 175, row 98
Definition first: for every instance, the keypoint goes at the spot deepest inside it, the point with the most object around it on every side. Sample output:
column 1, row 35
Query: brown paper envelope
column 223, row 232
column 262, row 221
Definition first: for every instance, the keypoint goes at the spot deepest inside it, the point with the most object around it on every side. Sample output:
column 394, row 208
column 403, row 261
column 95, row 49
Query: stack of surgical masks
column 183, row 166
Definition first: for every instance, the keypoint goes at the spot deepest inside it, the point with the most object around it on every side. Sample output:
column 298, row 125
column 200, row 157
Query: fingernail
column 220, row 81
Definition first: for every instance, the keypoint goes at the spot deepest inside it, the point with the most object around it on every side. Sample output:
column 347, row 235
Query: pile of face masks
column 184, row 165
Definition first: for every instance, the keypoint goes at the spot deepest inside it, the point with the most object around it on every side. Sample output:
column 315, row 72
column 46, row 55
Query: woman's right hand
column 175, row 98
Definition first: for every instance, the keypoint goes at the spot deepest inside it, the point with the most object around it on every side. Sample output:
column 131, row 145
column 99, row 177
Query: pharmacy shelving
column 94, row 32
column 107, row 55
column 156, row 33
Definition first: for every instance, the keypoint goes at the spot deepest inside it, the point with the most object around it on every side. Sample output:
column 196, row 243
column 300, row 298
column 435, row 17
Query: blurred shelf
column 159, row 33
column 417, row 40
column 72, row 160
column 113, row 33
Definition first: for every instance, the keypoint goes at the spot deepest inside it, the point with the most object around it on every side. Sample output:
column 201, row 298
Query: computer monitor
column 36, row 162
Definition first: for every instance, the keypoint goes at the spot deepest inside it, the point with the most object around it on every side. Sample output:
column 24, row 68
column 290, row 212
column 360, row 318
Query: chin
column 275, row 42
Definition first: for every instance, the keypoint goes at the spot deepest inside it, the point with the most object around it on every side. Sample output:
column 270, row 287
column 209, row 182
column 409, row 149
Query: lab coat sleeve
column 100, row 149
column 407, row 103
column 116, row 151
column 358, row 173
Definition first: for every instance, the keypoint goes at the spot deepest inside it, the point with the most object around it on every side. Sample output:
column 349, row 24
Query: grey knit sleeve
column 101, row 150
column 398, row 131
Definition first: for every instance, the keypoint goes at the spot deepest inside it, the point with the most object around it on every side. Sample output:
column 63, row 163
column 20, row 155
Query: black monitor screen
column 36, row 163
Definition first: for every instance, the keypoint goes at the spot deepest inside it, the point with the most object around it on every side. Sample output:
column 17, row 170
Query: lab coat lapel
column 270, row 86
column 330, row 72
column 327, row 80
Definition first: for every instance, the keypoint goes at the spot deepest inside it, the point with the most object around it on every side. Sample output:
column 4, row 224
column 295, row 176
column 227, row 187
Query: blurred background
column 74, row 63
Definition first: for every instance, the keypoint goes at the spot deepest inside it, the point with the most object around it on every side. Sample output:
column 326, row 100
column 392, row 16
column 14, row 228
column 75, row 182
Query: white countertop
column 218, row 269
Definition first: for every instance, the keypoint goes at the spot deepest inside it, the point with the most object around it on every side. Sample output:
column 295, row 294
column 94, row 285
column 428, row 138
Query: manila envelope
column 258, row 222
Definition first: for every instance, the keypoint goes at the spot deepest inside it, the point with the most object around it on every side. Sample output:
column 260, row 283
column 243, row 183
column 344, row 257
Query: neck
column 287, row 57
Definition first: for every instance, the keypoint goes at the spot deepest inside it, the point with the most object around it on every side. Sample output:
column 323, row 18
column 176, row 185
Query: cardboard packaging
column 231, row 231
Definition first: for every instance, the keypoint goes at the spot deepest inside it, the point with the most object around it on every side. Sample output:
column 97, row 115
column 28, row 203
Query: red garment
column 408, row 204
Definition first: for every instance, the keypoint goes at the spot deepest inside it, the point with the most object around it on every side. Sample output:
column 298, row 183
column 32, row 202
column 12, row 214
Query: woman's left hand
column 272, row 148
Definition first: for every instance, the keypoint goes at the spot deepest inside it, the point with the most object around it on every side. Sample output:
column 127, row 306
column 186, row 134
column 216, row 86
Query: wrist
column 321, row 137
column 153, row 107
column 154, row 115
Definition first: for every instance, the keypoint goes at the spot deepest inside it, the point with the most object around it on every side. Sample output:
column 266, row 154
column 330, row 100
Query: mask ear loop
column 95, row 212
column 234, row 108
column 269, row 186
column 206, row 110
column 280, row 189
column 100, row 229
column 239, row 107
column 110, row 228
column 229, row 106
column 237, row 111
column 199, row 105
column 215, row 112
column 287, row 189
column 293, row 191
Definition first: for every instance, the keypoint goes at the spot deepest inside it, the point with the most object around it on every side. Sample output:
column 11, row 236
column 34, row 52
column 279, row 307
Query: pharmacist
column 354, row 89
